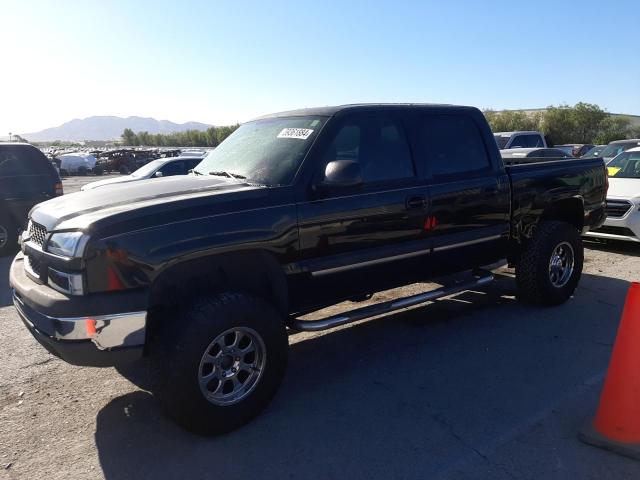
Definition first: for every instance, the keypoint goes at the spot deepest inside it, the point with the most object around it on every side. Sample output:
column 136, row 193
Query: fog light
column 70, row 283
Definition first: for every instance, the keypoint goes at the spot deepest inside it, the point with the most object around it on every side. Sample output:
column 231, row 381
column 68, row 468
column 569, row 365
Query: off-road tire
column 534, row 284
column 178, row 348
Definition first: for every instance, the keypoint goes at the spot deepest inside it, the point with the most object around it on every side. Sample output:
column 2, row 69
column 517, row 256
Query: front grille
column 625, row 232
column 618, row 208
column 33, row 265
column 37, row 233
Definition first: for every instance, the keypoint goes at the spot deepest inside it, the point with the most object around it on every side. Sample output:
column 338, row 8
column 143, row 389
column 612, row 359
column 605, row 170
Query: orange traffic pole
column 616, row 425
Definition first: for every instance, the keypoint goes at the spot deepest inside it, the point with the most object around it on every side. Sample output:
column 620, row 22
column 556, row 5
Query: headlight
column 67, row 244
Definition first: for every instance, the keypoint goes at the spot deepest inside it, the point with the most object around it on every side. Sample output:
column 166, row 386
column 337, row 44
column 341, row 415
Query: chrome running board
column 482, row 278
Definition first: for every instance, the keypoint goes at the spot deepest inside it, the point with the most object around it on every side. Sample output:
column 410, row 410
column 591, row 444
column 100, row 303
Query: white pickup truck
column 521, row 139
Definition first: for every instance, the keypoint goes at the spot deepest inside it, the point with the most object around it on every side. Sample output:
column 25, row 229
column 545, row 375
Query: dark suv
column 27, row 177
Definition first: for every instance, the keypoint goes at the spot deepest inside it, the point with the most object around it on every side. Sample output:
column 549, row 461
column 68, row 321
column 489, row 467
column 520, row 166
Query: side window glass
column 536, row 141
column 377, row 143
column 449, row 145
column 172, row 168
column 23, row 160
column 9, row 163
column 518, row 142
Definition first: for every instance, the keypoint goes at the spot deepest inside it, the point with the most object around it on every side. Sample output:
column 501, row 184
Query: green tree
column 512, row 120
column 189, row 138
column 558, row 124
column 587, row 121
column 128, row 137
column 614, row 128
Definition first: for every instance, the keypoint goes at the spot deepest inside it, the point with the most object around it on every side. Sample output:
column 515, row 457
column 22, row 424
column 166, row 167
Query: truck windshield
column 625, row 165
column 502, row 140
column 267, row 151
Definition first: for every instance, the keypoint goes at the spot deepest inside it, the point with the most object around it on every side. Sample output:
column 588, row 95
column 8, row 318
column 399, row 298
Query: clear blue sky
column 222, row 62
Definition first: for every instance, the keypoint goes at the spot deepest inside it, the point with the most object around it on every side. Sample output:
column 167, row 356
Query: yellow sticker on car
column 612, row 171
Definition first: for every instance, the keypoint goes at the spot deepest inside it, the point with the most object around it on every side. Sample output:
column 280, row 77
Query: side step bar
column 385, row 307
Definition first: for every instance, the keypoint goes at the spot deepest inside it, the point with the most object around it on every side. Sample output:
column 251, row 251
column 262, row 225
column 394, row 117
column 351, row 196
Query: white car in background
column 623, row 199
column 162, row 167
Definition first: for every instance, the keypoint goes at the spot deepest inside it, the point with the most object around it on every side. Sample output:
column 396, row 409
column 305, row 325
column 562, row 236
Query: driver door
column 356, row 240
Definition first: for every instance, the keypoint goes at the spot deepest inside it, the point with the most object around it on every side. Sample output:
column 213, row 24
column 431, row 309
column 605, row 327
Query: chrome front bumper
column 105, row 331
column 105, row 339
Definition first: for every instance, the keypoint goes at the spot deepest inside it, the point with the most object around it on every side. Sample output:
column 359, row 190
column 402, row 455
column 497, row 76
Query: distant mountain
column 108, row 128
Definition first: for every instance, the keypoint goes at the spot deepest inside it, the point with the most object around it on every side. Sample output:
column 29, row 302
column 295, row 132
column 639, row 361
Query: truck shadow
column 623, row 248
column 406, row 395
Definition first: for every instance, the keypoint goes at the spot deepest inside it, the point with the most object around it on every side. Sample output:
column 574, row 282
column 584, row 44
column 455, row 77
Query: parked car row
column 608, row 152
column 118, row 160
column 623, row 199
column 164, row 167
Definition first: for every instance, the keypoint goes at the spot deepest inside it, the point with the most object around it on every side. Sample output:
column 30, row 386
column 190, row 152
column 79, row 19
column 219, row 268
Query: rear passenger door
column 362, row 238
column 470, row 195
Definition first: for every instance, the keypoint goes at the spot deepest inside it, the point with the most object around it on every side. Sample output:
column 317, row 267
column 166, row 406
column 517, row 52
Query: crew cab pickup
column 205, row 273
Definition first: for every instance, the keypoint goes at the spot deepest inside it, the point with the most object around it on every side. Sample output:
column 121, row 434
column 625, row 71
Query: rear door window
column 16, row 160
column 449, row 145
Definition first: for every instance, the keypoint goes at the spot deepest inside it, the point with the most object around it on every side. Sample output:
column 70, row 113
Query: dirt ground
column 473, row 386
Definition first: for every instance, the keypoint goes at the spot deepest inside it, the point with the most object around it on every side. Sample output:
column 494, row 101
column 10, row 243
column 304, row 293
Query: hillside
column 108, row 128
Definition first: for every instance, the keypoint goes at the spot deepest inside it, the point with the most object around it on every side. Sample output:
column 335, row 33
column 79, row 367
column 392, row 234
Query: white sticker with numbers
column 301, row 133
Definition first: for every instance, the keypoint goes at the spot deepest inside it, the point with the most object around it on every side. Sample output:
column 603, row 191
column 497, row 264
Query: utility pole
column 9, row 136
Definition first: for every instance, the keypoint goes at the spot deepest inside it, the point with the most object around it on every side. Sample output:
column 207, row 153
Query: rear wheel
column 220, row 363
column 550, row 265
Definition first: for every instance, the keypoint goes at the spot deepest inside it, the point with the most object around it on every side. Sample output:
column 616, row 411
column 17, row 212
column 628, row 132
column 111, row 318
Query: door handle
column 416, row 202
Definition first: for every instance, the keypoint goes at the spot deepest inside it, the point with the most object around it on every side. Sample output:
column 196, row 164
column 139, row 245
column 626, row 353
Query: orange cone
column 616, row 426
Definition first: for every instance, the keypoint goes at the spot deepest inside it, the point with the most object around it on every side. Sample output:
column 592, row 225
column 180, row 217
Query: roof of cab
column 331, row 111
column 505, row 134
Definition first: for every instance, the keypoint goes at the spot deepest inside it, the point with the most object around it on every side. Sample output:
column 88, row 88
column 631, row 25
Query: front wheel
column 219, row 364
column 550, row 265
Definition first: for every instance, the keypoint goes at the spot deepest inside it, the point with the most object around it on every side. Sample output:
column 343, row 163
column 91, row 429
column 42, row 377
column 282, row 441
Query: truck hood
column 626, row 188
column 109, row 181
column 79, row 210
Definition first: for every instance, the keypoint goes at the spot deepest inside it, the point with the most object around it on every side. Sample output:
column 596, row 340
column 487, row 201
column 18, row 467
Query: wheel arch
column 252, row 271
column 569, row 210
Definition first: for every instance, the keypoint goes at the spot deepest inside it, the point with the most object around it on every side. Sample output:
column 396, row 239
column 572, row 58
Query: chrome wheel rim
column 561, row 264
column 232, row 366
column 4, row 236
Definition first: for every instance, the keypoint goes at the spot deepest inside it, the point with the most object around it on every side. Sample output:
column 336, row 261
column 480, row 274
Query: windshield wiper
column 196, row 172
column 228, row 175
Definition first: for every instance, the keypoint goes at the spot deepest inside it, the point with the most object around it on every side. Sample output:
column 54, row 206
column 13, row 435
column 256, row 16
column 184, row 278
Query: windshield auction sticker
column 301, row 133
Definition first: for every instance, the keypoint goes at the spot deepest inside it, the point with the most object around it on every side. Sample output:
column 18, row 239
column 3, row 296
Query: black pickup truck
column 296, row 211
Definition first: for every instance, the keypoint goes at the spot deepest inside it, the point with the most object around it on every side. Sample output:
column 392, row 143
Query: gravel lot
column 473, row 386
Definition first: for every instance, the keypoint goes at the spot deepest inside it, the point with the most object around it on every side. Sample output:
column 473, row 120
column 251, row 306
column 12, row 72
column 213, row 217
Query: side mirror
column 158, row 174
column 341, row 174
